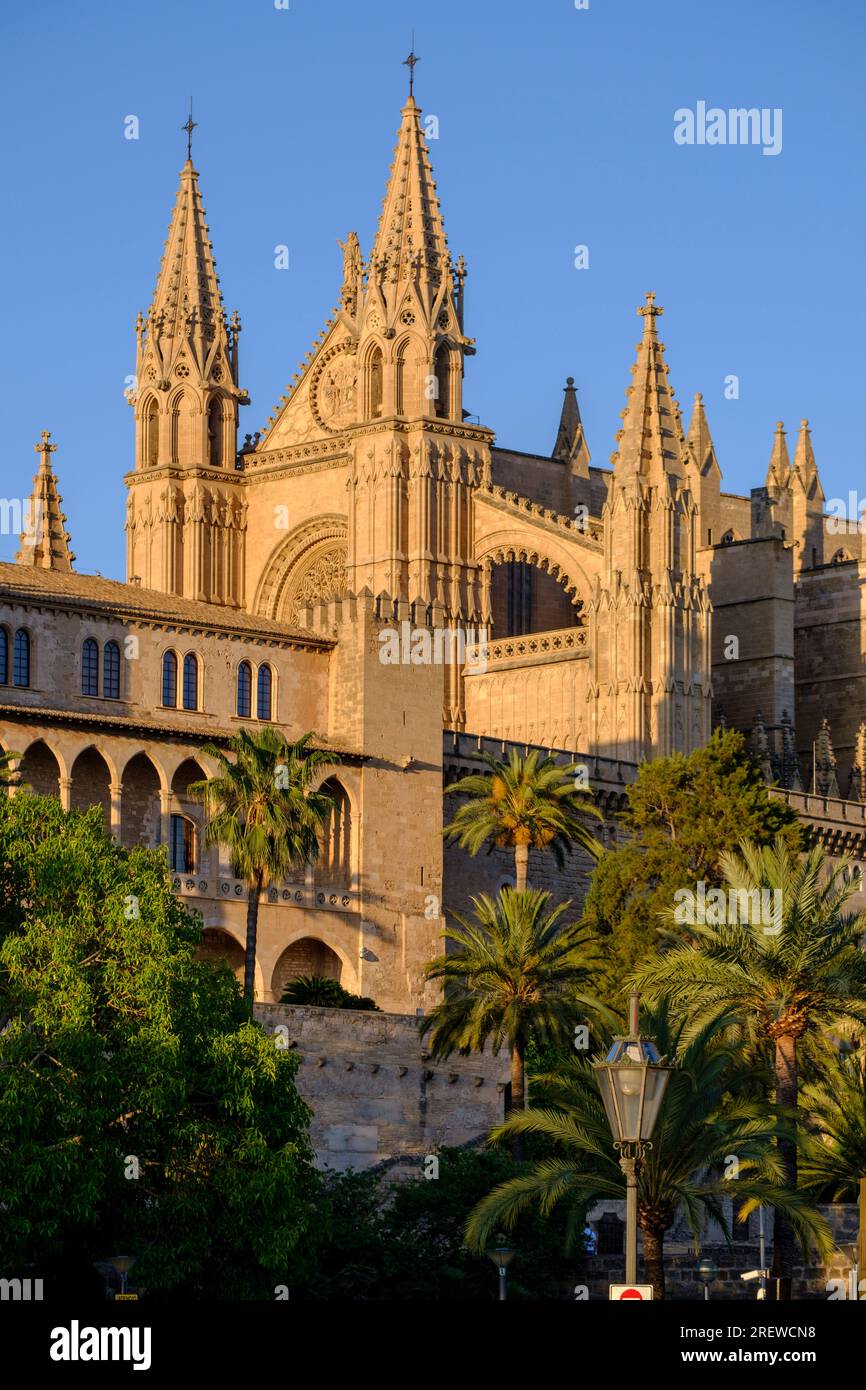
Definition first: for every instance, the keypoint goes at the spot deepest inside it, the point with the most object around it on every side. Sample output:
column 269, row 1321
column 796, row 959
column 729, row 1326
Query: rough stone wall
column 752, row 593
column 374, row 1091
column 829, row 647
column 539, row 699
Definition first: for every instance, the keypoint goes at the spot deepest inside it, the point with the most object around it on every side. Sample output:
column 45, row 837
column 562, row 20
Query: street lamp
column 501, row 1254
column 707, row 1272
column 632, row 1081
column 122, row 1264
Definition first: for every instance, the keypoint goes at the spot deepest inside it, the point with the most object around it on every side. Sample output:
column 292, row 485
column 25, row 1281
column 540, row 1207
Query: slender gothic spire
column 700, row 441
column 651, row 437
column 410, row 241
column 805, row 467
column 571, row 446
column 187, row 300
column 779, row 470
column 44, row 539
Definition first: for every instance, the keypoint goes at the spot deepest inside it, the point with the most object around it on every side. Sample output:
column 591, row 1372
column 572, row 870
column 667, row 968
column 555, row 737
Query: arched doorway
column 335, row 854
column 40, row 770
column 309, row 956
column 91, row 783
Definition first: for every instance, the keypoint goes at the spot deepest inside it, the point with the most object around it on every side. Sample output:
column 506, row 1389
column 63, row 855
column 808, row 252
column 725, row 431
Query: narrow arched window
column 169, row 680
column 442, row 366
column 4, row 656
column 263, row 703
column 375, row 388
column 90, row 668
column 215, row 435
column 111, row 671
column 21, row 658
column 245, row 689
column 190, row 681
column 151, row 434
column 182, row 845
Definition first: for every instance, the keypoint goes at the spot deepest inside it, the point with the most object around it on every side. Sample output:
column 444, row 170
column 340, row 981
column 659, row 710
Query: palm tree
column 516, row 971
column 525, row 803
column 785, row 982
column 833, row 1159
column 264, row 807
column 700, row 1125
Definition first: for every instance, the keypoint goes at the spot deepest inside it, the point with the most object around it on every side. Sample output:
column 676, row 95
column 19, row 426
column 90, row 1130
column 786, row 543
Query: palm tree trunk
column 253, row 895
column 784, row 1244
column 521, row 867
column 518, row 1093
column 654, row 1259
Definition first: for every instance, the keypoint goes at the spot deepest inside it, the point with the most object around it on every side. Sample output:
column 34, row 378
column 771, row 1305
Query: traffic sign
column 623, row 1292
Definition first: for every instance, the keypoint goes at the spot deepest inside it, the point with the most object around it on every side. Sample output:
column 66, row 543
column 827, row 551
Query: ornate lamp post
column 632, row 1081
column 501, row 1254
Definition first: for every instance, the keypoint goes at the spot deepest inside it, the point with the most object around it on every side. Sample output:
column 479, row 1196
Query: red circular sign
column 631, row 1293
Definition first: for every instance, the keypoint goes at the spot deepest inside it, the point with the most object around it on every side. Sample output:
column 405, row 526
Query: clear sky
column 556, row 129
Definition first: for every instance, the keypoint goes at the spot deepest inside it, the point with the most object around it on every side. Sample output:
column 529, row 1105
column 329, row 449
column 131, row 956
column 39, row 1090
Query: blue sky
column 555, row 130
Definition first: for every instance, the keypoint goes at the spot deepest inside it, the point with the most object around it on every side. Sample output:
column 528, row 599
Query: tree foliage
column 141, row 1110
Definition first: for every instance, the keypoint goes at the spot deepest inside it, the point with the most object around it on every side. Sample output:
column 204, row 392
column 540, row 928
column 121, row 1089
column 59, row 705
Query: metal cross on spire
column 410, row 64
column 189, row 127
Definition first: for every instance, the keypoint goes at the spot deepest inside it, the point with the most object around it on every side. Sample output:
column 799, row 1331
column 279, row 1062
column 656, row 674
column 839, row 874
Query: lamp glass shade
column 632, row 1086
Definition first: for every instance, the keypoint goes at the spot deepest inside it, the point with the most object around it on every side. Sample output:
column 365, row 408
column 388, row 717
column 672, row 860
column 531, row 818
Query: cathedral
column 610, row 613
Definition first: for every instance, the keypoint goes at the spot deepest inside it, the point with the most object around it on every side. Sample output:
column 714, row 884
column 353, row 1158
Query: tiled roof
column 129, row 601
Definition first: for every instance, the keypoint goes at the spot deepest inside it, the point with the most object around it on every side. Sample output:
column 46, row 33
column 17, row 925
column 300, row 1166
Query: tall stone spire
column 650, row 616
column 185, row 511
column 824, row 781
column 44, row 539
column 571, row 446
column 805, row 467
column 779, row 469
column 411, row 246
column 650, row 439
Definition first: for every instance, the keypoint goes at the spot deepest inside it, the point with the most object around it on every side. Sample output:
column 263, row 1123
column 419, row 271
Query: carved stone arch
column 309, row 564
column 334, row 387
column 501, row 554
column 409, row 357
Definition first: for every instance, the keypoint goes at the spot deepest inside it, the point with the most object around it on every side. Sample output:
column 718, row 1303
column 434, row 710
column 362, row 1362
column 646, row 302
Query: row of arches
column 184, row 418
column 15, row 657
column 142, row 806
column 410, row 383
column 309, row 955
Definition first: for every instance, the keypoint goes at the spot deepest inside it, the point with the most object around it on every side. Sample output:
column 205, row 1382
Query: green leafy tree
column 402, row 1241
column 682, row 814
column 704, row 1118
column 264, row 807
column 782, row 982
column 529, row 802
column 9, row 776
column 323, row 993
column 141, row 1110
column 516, row 970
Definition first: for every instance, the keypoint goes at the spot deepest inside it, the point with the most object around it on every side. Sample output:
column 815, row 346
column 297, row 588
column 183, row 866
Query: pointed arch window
column 245, row 690
column 90, row 668
column 111, row 671
column 4, row 656
column 151, row 434
column 190, row 681
column 169, row 680
column 442, row 370
column 375, row 371
column 215, row 434
column 21, row 658
column 265, row 686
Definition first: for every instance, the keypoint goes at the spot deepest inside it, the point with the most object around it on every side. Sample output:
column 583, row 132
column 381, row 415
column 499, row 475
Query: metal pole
column 628, row 1167
column 706, row 1293
column 762, row 1254
column 503, row 1277
column 861, row 1241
